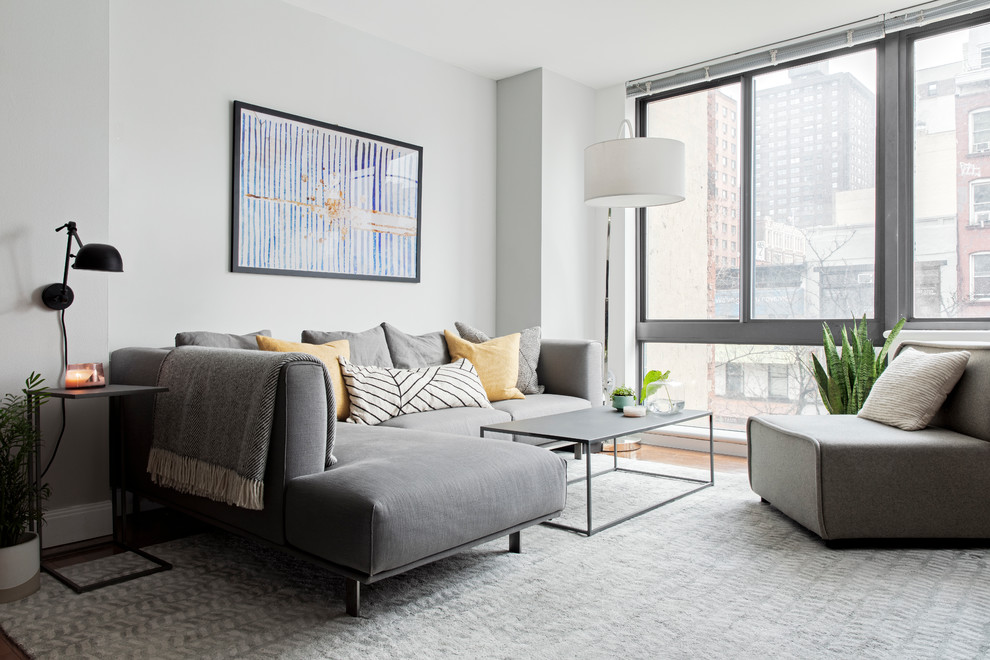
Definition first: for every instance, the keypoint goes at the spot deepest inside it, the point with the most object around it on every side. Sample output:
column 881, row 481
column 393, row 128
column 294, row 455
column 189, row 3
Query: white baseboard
column 77, row 523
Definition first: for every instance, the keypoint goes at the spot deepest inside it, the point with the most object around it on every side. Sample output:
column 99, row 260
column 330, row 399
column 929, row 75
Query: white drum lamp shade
column 634, row 172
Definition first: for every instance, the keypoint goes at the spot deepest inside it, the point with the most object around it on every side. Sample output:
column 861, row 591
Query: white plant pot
column 20, row 568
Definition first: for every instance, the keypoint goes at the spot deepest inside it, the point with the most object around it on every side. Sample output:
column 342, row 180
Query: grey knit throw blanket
column 213, row 426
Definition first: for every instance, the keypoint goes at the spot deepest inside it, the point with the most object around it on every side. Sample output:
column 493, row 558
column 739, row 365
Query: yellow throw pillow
column 496, row 361
column 328, row 353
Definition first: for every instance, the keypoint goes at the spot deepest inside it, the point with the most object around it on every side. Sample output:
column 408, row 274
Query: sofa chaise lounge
column 401, row 494
column 845, row 477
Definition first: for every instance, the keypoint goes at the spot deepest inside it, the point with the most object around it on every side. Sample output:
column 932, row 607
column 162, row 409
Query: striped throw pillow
column 378, row 394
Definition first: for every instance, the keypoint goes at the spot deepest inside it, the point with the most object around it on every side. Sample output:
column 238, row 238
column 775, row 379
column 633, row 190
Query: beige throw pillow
column 913, row 387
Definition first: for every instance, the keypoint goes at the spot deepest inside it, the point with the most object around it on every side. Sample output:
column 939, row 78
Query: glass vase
column 664, row 397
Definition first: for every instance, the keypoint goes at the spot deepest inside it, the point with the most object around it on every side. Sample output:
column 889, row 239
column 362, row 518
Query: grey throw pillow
column 529, row 354
column 912, row 388
column 220, row 339
column 414, row 352
column 367, row 348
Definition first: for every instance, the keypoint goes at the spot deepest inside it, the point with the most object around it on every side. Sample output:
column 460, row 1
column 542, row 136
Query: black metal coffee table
column 599, row 424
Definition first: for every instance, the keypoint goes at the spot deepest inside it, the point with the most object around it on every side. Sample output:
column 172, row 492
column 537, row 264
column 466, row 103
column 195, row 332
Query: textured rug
column 716, row 574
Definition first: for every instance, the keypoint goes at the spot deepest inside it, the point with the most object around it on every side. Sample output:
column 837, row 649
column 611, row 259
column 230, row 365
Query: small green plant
column 846, row 379
column 18, row 438
column 622, row 391
column 651, row 377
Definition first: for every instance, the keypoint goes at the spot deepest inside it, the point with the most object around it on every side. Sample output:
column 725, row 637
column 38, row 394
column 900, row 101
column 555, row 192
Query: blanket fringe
column 196, row 477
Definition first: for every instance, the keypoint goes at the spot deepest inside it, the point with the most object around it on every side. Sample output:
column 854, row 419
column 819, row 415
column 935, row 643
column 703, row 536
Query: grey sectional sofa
column 845, row 477
column 401, row 494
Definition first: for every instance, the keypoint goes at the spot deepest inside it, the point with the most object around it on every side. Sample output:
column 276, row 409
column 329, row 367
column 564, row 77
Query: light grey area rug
column 714, row 575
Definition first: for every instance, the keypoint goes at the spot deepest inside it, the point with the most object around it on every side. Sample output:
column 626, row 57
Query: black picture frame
column 313, row 199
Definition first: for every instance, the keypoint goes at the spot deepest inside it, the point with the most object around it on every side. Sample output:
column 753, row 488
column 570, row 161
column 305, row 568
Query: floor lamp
column 631, row 172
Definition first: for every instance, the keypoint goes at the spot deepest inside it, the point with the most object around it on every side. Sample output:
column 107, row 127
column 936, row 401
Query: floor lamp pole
column 608, row 253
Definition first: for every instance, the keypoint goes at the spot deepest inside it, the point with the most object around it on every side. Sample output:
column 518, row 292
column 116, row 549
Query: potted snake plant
column 847, row 376
column 20, row 549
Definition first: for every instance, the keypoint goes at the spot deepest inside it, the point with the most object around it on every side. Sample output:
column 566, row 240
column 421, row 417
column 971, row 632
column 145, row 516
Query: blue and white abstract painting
column 320, row 200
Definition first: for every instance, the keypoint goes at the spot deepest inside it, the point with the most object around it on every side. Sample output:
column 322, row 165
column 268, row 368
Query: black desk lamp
column 93, row 256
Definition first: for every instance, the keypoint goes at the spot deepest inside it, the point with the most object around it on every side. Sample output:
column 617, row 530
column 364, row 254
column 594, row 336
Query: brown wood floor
column 163, row 525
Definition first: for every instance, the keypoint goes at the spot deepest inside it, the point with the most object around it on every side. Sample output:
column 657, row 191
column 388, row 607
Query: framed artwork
column 319, row 200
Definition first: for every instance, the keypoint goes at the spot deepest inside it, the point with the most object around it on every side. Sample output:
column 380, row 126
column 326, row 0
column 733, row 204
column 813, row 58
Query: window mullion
column 746, row 270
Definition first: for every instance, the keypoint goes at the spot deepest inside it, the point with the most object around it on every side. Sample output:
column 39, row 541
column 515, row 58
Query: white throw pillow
column 913, row 387
column 378, row 394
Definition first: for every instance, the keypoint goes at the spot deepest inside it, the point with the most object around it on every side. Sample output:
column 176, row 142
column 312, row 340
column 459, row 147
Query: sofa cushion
column 540, row 405
column 377, row 394
column 328, row 354
column 396, row 497
column 529, row 354
column 367, row 348
column 497, row 362
column 220, row 339
column 965, row 409
column 845, row 477
column 415, row 351
column 912, row 388
column 463, row 421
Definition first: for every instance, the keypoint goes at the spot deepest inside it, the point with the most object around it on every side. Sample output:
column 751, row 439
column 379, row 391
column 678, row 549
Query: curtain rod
column 850, row 34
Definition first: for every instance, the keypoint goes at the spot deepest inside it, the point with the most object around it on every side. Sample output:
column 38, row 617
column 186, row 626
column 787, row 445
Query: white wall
column 571, row 266
column 177, row 67
column 54, row 146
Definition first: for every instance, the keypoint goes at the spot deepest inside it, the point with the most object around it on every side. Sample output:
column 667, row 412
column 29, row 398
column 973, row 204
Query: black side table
column 118, row 493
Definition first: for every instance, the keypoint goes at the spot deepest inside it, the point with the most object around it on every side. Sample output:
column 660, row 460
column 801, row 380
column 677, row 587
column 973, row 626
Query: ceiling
column 595, row 42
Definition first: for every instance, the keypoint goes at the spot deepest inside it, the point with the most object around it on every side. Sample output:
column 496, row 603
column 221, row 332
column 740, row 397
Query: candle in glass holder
column 75, row 378
column 87, row 374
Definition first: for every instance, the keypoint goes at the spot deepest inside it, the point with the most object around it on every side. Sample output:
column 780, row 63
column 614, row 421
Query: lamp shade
column 98, row 256
column 634, row 172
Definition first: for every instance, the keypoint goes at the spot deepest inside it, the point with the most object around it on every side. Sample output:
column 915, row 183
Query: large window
column 951, row 169
column 798, row 213
column 685, row 260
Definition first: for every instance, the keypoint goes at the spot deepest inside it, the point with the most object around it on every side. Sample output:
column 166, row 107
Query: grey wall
column 54, row 150
column 518, row 297
column 176, row 68
column 548, row 257
column 118, row 115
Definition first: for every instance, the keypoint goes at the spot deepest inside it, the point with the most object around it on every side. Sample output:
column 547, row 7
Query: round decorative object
column 20, row 568
column 664, row 397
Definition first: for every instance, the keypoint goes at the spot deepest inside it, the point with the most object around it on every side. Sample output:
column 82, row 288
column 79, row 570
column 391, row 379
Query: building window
column 777, row 381
column 984, row 57
column 734, row 380
column 979, row 268
column 980, row 203
column 979, row 132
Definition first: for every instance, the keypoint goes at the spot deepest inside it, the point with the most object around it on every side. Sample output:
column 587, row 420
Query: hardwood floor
column 154, row 531
column 686, row 458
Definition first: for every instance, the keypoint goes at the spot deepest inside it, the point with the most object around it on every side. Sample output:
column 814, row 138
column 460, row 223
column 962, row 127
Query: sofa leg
column 353, row 597
column 515, row 542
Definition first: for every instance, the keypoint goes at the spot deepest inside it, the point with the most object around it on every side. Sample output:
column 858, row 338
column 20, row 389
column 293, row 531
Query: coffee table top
column 593, row 424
